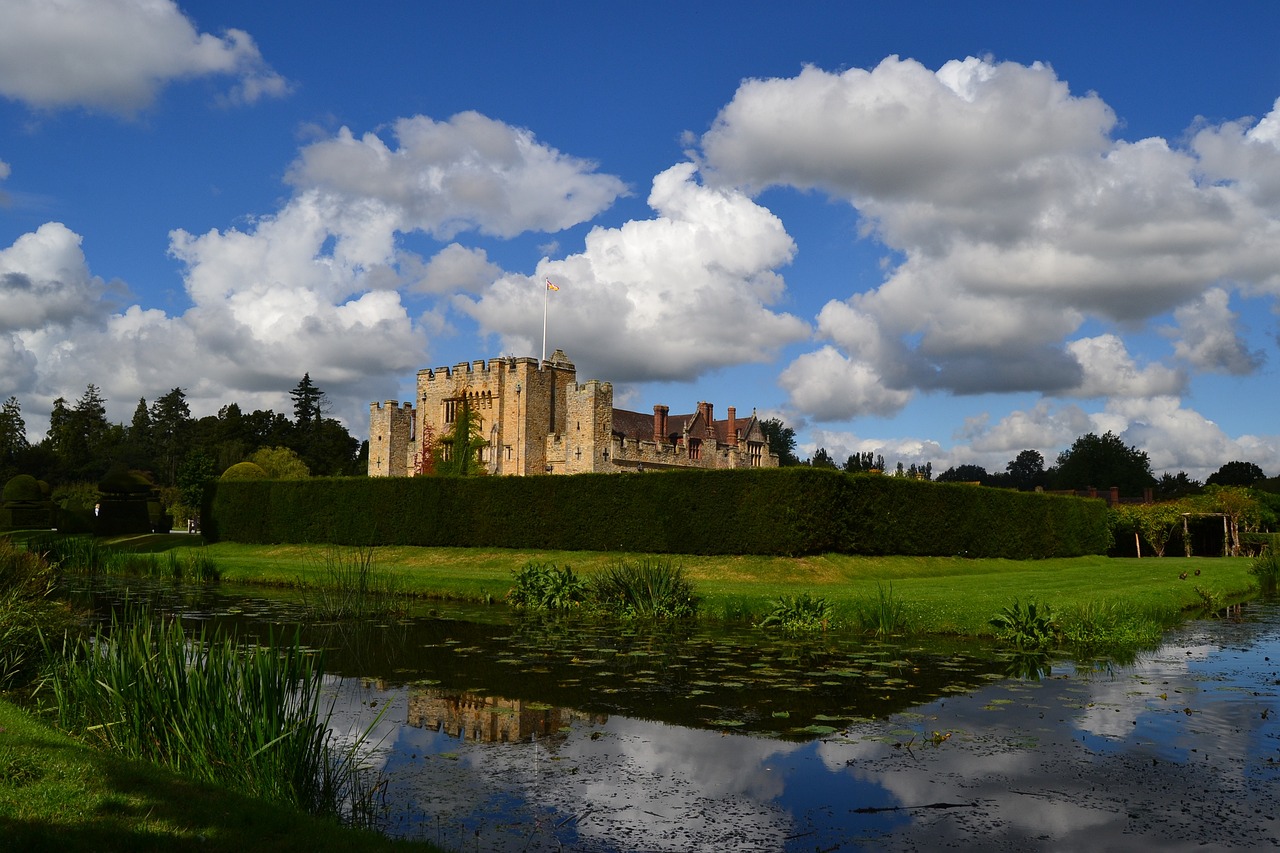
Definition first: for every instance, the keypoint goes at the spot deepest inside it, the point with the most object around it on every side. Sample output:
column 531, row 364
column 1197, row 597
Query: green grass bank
column 945, row 595
column 61, row 796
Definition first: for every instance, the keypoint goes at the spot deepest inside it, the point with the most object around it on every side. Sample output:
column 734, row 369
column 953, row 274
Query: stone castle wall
column 536, row 418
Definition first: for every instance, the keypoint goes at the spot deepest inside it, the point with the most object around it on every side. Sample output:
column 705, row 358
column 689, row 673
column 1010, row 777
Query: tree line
column 1092, row 461
column 164, row 441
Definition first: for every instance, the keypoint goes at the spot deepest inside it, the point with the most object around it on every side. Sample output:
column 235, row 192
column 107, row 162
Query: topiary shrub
column 244, row 471
column 23, row 489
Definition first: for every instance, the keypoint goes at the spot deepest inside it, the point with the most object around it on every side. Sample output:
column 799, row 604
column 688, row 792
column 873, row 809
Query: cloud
column 116, row 55
column 315, row 286
column 44, row 281
column 457, row 269
column 1017, row 218
column 1208, row 339
column 827, row 386
column 469, row 173
column 670, row 298
column 1110, row 371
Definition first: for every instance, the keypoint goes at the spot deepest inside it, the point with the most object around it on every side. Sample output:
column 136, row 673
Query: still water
column 505, row 734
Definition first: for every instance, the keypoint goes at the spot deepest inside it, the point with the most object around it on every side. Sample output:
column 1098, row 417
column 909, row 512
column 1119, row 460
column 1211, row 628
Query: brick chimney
column 711, row 425
column 660, row 424
column 733, row 427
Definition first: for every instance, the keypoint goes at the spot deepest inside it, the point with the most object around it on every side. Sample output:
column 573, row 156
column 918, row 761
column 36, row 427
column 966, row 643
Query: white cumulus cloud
column 1016, row 216
column 116, row 55
column 669, row 298
column 444, row 177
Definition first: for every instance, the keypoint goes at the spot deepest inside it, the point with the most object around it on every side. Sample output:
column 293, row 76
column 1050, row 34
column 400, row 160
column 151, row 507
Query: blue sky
column 940, row 232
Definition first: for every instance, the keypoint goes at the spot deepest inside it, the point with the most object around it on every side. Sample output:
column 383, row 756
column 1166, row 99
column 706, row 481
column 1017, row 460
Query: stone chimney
column 733, row 427
column 660, row 424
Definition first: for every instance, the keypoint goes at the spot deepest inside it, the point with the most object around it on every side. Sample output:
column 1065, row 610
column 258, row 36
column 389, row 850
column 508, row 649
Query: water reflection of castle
column 490, row 719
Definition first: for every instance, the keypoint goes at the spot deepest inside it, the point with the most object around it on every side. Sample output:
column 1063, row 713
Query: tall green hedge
column 788, row 511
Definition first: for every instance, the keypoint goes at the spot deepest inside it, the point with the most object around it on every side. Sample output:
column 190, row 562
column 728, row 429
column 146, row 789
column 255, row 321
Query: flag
column 551, row 286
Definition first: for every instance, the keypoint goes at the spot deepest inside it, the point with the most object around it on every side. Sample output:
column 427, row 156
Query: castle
column 537, row 419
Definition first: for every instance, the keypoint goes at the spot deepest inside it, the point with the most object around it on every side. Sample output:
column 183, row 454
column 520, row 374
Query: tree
column 965, row 474
column 81, row 436
column 782, row 441
column 1240, row 507
column 195, row 472
column 1172, row 486
column 1026, row 471
column 822, row 459
column 1101, row 462
column 864, row 462
column 170, row 428
column 1153, row 522
column 13, row 430
column 308, row 404
column 280, row 463
column 1236, row 474
column 458, row 451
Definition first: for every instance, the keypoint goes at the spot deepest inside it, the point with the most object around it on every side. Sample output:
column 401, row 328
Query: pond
column 497, row 733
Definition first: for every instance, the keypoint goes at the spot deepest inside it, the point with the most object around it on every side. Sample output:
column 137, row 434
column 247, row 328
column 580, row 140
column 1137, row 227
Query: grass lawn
column 59, row 795
column 940, row 594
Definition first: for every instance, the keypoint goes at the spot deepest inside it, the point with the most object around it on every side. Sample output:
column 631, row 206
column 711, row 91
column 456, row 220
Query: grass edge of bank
column 58, row 794
column 940, row 595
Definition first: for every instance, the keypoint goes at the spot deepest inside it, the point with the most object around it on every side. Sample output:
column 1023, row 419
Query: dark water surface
column 502, row 734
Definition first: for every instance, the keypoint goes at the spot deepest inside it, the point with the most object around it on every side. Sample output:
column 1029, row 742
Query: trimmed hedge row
column 789, row 511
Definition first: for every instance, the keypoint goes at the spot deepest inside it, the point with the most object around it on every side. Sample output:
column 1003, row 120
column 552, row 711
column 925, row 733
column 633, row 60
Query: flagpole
column 546, row 293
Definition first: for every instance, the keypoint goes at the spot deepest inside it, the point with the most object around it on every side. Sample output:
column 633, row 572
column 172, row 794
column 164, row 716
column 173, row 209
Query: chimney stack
column 733, row 427
column 660, row 424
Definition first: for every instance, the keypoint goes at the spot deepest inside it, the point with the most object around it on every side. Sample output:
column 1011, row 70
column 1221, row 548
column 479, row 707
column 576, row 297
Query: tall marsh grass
column 249, row 719
column 883, row 615
column 86, row 556
column 1266, row 568
column 354, row 587
column 27, row 611
column 644, row 589
column 1109, row 627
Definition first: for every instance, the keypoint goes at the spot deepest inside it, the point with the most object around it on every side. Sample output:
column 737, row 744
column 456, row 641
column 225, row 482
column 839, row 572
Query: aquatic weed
column 799, row 613
column 546, row 586
column 1026, row 627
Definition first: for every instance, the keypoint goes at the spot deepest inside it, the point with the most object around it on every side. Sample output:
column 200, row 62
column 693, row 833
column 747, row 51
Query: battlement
column 391, row 404
column 473, row 368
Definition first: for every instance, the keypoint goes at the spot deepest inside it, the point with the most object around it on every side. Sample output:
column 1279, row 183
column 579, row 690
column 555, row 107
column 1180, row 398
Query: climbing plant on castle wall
column 457, row 452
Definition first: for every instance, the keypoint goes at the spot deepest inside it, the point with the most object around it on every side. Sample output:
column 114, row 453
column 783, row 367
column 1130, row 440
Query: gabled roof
column 639, row 425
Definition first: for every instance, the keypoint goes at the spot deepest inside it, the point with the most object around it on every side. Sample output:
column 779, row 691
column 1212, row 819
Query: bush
column 546, row 586
column 244, row 471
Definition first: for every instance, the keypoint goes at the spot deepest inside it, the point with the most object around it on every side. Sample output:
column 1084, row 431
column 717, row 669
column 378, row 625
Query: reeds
column 644, row 589
column 1110, row 627
column 246, row 718
column 883, row 615
column 354, row 587
column 86, row 556
column 26, row 611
